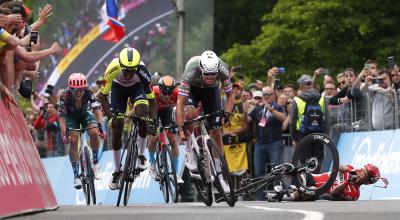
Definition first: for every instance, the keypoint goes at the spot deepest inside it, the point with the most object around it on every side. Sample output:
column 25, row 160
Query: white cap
column 257, row 93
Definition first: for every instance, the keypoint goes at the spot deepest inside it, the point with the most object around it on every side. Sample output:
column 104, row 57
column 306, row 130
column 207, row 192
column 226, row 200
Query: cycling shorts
column 121, row 94
column 78, row 118
column 210, row 99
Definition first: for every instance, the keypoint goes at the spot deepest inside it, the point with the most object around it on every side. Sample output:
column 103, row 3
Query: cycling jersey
column 66, row 104
column 113, row 74
column 192, row 76
column 161, row 102
column 351, row 192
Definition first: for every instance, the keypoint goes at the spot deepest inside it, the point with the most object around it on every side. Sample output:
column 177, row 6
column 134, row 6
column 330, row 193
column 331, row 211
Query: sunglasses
column 342, row 82
column 75, row 90
column 129, row 70
column 210, row 74
column 267, row 94
column 257, row 98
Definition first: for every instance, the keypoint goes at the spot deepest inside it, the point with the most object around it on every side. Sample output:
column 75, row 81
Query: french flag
column 117, row 28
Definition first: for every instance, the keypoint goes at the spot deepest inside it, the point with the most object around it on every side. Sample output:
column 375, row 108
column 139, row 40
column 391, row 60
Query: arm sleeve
column 335, row 99
column 145, row 78
column 39, row 122
column 113, row 69
column 4, row 35
column 225, row 79
column 94, row 104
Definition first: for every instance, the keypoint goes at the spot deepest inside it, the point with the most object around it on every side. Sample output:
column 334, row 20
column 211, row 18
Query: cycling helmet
column 129, row 58
column 77, row 81
column 373, row 172
column 209, row 62
column 167, row 84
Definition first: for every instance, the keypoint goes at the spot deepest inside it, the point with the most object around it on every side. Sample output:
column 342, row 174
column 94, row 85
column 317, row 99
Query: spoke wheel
column 171, row 175
column 163, row 174
column 203, row 188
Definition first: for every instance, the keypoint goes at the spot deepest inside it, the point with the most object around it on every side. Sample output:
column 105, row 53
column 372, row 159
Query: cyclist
column 127, row 78
column 347, row 184
column 200, row 84
column 166, row 93
column 74, row 110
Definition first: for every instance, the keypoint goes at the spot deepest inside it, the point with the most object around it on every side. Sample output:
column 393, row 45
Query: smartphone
column 377, row 80
column 277, row 84
column 325, row 71
column 391, row 62
column 367, row 66
column 237, row 68
column 281, row 70
column 34, row 37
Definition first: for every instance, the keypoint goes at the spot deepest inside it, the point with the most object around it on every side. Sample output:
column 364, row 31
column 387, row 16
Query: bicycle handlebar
column 204, row 117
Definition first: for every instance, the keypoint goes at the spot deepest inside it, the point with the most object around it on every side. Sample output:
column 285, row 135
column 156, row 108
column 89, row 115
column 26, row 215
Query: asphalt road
column 326, row 210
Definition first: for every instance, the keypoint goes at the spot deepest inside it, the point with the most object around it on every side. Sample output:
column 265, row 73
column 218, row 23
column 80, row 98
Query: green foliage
column 304, row 35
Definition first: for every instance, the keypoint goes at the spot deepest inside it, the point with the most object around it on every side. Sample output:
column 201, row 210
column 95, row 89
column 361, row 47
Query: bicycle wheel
column 203, row 188
column 162, row 170
column 125, row 174
column 320, row 150
column 90, row 175
column 171, row 175
column 85, row 185
column 131, row 173
column 223, row 174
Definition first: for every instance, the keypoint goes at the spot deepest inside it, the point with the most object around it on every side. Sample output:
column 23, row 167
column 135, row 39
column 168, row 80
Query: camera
column 377, row 80
column 277, row 84
column 34, row 37
column 391, row 62
column 49, row 89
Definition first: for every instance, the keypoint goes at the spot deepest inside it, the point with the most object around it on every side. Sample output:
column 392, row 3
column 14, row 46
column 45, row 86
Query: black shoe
column 114, row 184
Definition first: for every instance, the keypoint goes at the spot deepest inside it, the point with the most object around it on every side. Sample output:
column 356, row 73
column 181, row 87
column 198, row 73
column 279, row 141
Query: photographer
column 48, row 121
column 382, row 96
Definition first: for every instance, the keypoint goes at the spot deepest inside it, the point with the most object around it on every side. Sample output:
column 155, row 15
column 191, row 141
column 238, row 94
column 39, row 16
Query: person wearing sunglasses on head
column 347, row 184
column 200, row 84
column 166, row 93
column 79, row 107
column 126, row 77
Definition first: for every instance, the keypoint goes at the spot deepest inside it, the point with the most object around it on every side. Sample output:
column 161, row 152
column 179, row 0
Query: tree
column 304, row 35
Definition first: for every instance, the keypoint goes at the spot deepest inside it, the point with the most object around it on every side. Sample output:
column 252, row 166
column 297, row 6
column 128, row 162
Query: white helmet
column 209, row 62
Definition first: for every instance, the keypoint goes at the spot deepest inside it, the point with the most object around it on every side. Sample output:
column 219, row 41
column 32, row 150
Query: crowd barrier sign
column 380, row 148
column 144, row 191
column 24, row 186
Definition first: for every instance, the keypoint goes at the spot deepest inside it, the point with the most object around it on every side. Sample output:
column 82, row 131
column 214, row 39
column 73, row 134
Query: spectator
column 268, row 118
column 382, row 96
column 246, row 95
column 330, row 90
column 302, row 122
column 289, row 91
column 341, row 79
column 48, row 120
column 258, row 97
column 395, row 77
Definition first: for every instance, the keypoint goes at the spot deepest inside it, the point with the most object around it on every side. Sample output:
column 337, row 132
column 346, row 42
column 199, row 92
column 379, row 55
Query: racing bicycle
column 165, row 167
column 86, row 162
column 302, row 165
column 130, row 171
column 205, row 151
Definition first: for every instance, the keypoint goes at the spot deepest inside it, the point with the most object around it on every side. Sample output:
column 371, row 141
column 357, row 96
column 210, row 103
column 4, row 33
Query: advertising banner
column 24, row 185
column 380, row 148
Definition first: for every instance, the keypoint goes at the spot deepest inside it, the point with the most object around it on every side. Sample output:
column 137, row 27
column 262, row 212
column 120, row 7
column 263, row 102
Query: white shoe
column 190, row 162
column 96, row 171
column 153, row 171
column 142, row 163
column 113, row 185
column 225, row 186
column 77, row 182
column 179, row 180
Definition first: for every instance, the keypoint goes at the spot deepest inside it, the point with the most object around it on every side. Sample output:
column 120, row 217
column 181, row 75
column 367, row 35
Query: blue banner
column 144, row 190
column 381, row 148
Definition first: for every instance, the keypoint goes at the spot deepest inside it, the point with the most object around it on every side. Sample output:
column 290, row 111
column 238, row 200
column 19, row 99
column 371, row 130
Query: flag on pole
column 117, row 28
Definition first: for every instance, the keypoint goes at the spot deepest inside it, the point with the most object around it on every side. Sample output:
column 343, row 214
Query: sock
column 175, row 161
column 142, row 142
column 217, row 163
column 152, row 158
column 188, row 147
column 75, row 168
column 95, row 153
column 117, row 159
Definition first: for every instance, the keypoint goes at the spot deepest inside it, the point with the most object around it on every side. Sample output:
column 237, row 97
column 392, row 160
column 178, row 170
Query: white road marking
column 308, row 215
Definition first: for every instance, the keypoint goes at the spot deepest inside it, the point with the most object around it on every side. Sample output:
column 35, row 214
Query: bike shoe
column 142, row 163
column 190, row 162
column 113, row 185
column 77, row 182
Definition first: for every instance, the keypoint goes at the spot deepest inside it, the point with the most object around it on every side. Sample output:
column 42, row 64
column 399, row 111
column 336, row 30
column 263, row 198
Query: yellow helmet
column 129, row 58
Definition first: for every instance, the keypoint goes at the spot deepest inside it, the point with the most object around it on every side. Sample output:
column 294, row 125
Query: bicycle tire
column 85, row 189
column 299, row 158
column 229, row 197
column 203, row 188
column 171, row 178
column 125, row 175
column 160, row 161
column 90, row 175
column 132, row 173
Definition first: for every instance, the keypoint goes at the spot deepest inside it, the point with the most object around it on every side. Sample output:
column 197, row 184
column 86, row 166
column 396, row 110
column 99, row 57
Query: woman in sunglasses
column 78, row 106
column 347, row 184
